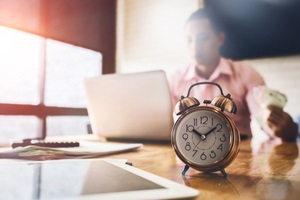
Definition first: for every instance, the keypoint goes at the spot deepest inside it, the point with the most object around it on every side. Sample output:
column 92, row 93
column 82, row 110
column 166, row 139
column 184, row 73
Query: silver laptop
column 130, row 106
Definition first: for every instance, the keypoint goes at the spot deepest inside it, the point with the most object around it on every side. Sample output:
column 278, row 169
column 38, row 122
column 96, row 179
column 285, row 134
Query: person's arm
column 277, row 122
column 281, row 124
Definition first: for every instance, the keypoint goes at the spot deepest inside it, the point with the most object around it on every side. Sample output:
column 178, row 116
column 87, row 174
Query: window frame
column 42, row 111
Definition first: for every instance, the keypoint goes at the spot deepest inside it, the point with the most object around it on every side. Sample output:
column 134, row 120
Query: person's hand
column 281, row 124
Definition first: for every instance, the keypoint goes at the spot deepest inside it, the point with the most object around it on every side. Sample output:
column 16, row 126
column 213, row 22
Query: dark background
column 258, row 28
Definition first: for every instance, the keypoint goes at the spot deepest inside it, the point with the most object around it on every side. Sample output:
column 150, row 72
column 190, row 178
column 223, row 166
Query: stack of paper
column 85, row 150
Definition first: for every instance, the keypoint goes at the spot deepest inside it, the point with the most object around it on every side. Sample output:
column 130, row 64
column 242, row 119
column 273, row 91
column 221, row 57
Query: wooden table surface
column 262, row 170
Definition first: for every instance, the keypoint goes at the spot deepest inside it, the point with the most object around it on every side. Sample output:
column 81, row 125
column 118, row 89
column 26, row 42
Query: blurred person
column 204, row 39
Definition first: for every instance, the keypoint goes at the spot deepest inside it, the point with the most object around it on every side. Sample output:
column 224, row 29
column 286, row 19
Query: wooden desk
column 262, row 170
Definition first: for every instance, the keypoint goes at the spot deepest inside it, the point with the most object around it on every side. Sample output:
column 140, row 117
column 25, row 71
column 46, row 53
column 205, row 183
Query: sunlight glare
column 19, row 66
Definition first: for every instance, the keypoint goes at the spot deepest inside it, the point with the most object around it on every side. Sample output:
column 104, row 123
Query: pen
column 41, row 142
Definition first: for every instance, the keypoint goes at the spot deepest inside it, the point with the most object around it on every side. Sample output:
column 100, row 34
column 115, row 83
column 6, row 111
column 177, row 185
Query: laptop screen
column 130, row 106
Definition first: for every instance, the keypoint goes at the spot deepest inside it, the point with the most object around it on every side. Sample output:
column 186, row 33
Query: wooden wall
column 90, row 24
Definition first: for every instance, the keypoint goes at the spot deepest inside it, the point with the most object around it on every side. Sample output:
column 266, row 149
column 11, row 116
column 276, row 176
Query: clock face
column 203, row 137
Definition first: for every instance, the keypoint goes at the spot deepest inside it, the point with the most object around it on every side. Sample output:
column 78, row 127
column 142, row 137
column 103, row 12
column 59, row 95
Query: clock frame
column 186, row 106
column 226, row 159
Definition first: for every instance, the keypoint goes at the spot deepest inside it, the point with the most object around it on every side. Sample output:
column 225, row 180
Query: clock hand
column 195, row 131
column 202, row 137
column 211, row 130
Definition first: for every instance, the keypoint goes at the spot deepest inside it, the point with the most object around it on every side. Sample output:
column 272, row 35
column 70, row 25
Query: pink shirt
column 235, row 78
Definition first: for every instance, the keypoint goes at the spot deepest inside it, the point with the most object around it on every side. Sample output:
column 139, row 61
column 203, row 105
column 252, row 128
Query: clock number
column 189, row 128
column 203, row 119
column 195, row 152
column 195, row 121
column 223, row 139
column 212, row 154
column 212, row 121
column 220, row 147
column 185, row 136
column 203, row 156
column 188, row 146
column 219, row 127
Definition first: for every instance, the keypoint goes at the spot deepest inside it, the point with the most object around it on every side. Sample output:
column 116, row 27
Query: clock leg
column 186, row 167
column 223, row 172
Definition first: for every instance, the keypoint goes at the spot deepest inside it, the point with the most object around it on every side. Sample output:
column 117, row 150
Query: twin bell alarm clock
column 203, row 136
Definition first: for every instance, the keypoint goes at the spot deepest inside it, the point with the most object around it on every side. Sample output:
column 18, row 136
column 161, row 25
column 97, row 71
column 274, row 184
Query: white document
column 85, row 150
column 101, row 148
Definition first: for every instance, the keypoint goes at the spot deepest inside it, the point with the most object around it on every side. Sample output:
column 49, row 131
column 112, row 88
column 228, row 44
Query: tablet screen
column 71, row 179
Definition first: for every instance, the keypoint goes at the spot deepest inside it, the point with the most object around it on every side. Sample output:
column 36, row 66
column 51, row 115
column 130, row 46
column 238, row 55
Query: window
column 41, row 90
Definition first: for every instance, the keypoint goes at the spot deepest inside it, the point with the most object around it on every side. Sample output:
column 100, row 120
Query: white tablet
column 86, row 179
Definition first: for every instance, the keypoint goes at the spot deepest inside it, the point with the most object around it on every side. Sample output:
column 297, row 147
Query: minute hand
column 211, row 130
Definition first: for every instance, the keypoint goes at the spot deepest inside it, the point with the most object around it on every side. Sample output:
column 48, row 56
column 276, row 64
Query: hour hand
column 195, row 131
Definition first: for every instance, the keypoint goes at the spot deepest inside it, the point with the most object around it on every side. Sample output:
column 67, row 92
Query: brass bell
column 225, row 103
column 185, row 103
